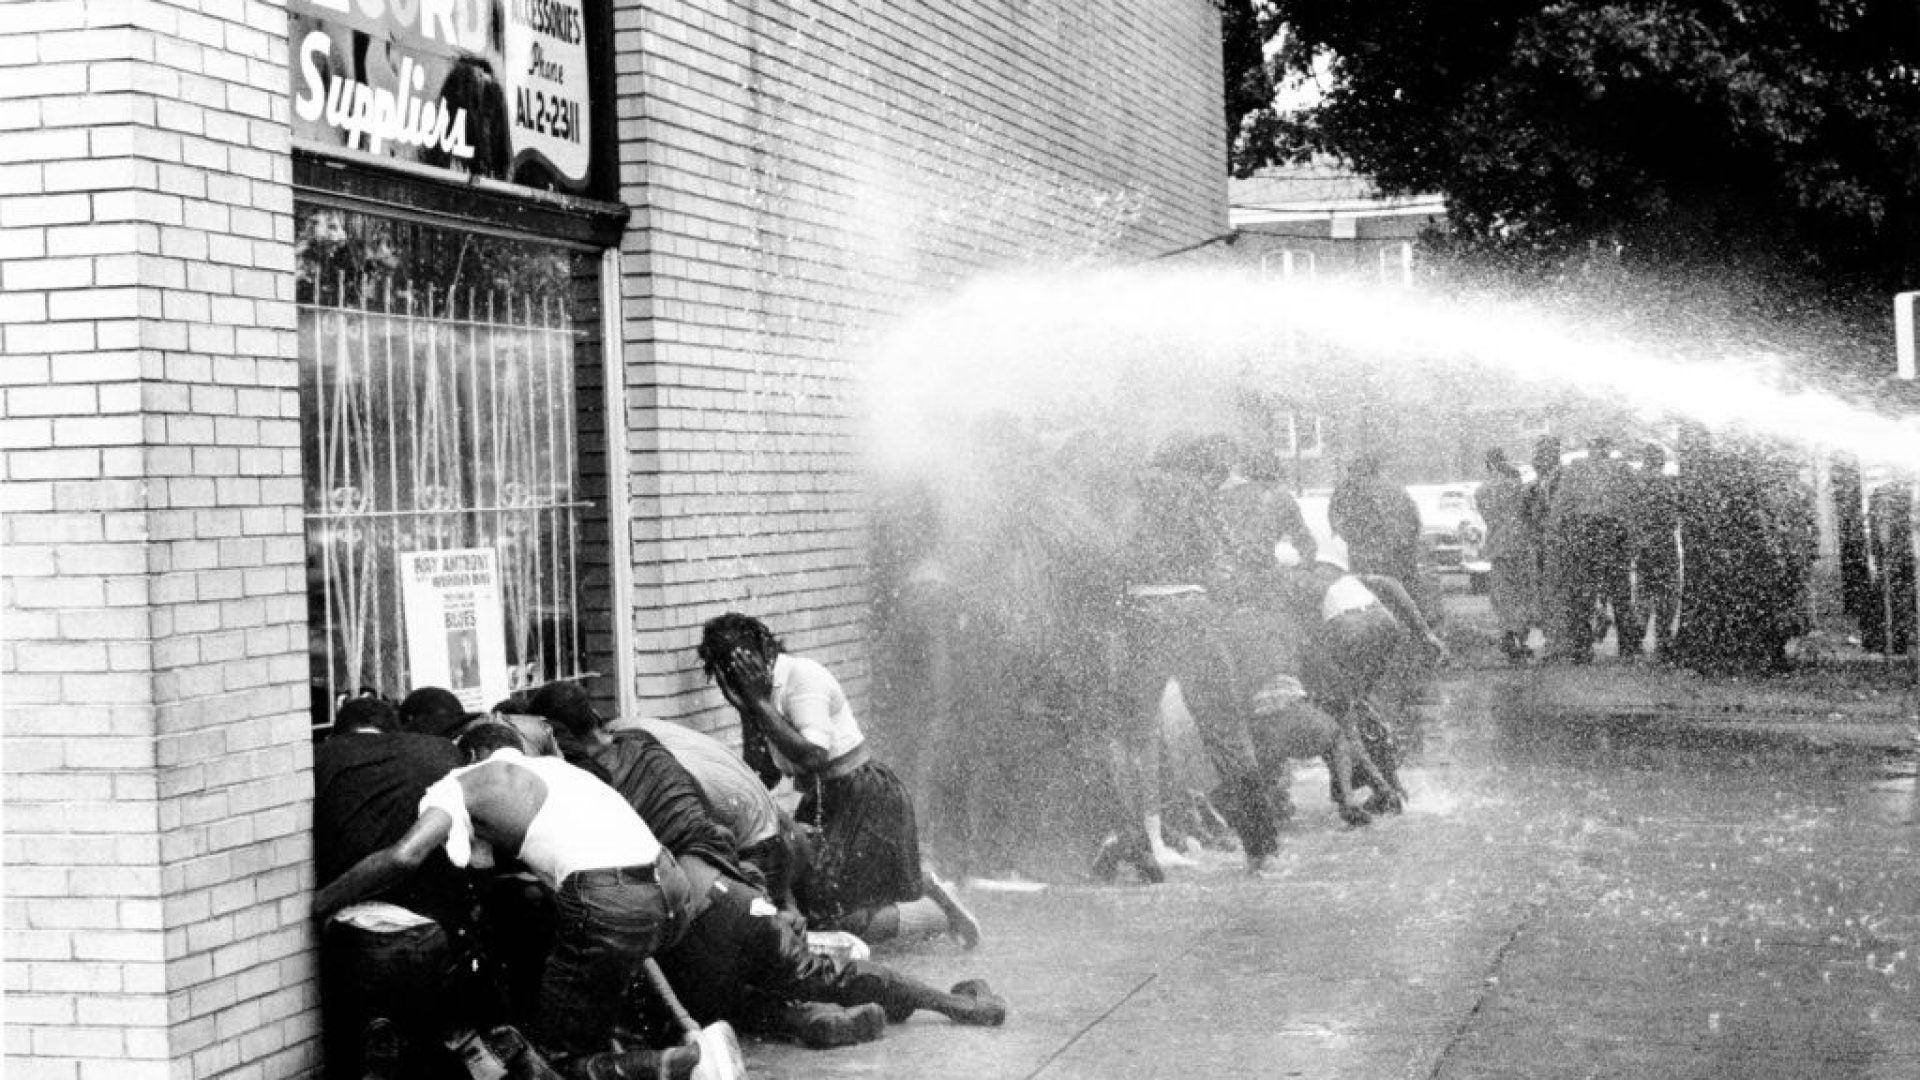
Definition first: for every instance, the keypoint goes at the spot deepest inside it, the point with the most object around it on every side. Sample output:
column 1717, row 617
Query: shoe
column 523, row 1062
column 823, row 1026
column 1385, row 802
column 380, row 1059
column 960, row 921
column 1114, row 851
column 988, row 1008
column 1355, row 816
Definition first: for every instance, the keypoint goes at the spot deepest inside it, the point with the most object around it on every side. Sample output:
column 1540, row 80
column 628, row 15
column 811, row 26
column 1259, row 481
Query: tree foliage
column 1789, row 126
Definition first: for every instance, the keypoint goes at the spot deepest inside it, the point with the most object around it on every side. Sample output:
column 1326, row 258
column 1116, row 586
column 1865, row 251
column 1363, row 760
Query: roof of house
column 1317, row 191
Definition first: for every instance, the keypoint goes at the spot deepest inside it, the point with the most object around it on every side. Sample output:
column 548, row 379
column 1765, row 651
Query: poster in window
column 492, row 88
column 456, row 632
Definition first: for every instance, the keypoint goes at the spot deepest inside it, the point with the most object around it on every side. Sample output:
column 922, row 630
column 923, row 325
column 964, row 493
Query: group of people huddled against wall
column 1045, row 603
column 540, row 891
column 1705, row 565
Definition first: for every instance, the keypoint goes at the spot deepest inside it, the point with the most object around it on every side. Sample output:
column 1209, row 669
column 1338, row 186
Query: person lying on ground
column 743, row 962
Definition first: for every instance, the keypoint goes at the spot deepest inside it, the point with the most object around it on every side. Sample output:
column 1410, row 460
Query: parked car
column 1451, row 528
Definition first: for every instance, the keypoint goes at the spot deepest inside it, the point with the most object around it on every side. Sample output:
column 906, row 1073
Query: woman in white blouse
column 865, row 876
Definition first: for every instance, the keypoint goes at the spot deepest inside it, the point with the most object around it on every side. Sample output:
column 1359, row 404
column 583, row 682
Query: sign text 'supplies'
column 494, row 88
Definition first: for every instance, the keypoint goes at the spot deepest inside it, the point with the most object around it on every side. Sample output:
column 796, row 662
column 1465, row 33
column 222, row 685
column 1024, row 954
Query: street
column 1571, row 893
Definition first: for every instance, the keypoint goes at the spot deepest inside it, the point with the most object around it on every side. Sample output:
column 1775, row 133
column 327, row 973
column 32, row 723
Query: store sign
column 456, row 631
column 494, row 88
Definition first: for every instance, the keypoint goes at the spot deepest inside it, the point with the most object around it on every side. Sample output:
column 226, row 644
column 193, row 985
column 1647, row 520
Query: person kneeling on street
column 865, row 875
column 397, row 975
column 742, row 959
column 619, row 896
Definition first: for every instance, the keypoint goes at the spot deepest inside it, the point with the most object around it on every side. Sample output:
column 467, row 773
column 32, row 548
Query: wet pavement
column 1592, row 880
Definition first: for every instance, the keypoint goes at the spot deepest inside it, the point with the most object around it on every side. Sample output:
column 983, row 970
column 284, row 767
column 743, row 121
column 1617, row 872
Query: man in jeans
column 740, row 959
column 618, row 895
column 391, row 985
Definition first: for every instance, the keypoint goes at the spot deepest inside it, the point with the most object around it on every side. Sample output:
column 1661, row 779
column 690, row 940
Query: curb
column 1793, row 730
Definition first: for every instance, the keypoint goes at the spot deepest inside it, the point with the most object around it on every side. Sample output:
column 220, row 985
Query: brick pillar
column 158, row 773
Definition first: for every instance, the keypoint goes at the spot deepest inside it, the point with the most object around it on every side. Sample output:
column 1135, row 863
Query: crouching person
column 394, row 975
column 618, row 895
column 742, row 962
column 705, row 782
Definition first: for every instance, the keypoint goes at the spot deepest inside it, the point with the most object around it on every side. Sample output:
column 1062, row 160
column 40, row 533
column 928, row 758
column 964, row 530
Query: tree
column 1786, row 131
column 1252, row 125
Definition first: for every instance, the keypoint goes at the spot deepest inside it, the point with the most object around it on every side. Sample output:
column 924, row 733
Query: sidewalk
column 1841, row 698
column 1860, row 703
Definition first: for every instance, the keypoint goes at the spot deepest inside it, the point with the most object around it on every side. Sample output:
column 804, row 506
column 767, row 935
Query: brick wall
column 157, row 782
column 801, row 174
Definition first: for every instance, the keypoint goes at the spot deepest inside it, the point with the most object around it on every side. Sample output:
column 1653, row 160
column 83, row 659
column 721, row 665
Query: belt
column 647, row 874
column 846, row 763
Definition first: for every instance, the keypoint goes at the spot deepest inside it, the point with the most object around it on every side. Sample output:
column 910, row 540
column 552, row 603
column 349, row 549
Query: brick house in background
column 342, row 350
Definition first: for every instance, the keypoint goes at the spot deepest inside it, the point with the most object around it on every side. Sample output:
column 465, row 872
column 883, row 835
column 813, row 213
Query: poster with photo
column 456, row 630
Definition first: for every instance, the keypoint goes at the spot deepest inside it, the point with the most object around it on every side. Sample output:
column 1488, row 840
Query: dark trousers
column 774, row 859
column 1592, row 565
column 408, row 978
column 607, row 922
column 739, row 954
column 1180, row 637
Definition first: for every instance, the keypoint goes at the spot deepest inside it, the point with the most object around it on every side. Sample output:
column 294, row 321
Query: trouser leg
column 1220, row 707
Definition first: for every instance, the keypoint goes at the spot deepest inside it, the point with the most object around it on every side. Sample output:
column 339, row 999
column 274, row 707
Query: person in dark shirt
column 741, row 958
column 1588, row 521
column 1173, row 630
column 1379, row 521
column 635, row 763
column 390, row 969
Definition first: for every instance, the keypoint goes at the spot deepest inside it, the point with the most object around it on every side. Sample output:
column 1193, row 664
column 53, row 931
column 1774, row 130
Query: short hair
column 432, row 710
column 366, row 711
column 537, row 735
column 564, row 703
column 483, row 737
column 724, row 633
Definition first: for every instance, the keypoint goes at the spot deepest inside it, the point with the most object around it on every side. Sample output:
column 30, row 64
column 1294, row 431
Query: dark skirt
column 867, row 853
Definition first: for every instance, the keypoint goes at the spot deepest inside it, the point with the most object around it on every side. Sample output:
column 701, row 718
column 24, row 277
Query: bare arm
column 748, row 686
column 382, row 868
column 1398, row 601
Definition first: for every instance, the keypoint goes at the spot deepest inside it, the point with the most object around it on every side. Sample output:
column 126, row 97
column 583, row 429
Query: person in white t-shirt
column 1351, row 624
column 865, row 877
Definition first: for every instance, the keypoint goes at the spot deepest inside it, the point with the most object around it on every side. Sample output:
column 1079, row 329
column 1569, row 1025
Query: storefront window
column 438, row 406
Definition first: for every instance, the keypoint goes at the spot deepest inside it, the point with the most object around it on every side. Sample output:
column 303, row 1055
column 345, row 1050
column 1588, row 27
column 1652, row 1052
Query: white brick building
column 244, row 367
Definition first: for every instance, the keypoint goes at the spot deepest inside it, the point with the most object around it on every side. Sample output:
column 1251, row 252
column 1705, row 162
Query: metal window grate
column 437, row 398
